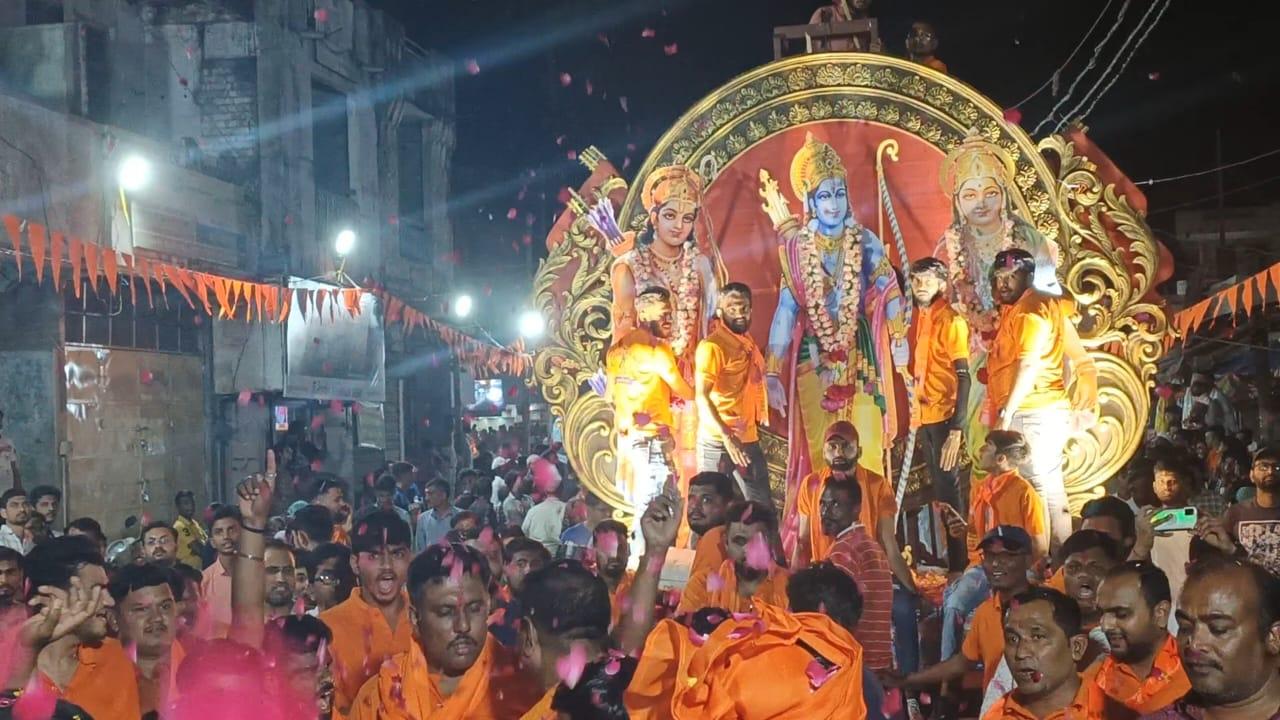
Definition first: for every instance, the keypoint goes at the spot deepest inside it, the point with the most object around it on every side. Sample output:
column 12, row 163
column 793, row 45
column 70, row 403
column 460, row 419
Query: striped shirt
column 858, row 554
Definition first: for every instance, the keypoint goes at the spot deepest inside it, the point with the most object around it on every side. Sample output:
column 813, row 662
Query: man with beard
column 612, row 555
column 331, row 493
column 192, row 536
column 748, row 574
column 1006, row 557
column 1255, row 523
column 1143, row 673
column 45, row 501
column 1109, row 515
column 854, row 551
column 160, row 544
column 65, row 644
column 375, row 622
column 710, row 493
column 281, row 582
column 520, row 556
column 643, row 380
column 731, row 395
column 12, row 577
column 147, row 616
column 1035, row 352
column 1229, row 642
column 14, row 513
column 1043, row 643
column 452, row 669
column 215, row 588
column 940, row 366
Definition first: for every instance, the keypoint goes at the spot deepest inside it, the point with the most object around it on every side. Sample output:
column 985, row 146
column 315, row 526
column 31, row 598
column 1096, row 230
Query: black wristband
column 256, row 531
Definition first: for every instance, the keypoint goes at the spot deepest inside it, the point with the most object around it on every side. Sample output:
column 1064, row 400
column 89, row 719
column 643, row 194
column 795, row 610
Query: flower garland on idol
column 685, row 288
column 964, row 270
column 836, row 347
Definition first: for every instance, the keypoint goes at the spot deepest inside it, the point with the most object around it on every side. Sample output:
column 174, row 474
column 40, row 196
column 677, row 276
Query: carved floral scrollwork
column 1109, row 255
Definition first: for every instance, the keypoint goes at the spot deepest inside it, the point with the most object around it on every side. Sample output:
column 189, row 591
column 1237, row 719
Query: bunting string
column 229, row 298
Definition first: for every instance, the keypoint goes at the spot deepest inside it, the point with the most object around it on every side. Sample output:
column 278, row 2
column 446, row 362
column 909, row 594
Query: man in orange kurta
column 940, row 367
column 1143, row 672
column 710, row 494
column 644, row 378
column 729, row 389
column 453, row 669
column 147, row 617
column 840, row 449
column 373, row 624
column 1034, row 356
column 748, row 574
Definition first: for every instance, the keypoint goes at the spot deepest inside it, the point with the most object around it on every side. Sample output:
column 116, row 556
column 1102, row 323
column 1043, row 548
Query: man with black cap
column 1006, row 557
column 1035, row 354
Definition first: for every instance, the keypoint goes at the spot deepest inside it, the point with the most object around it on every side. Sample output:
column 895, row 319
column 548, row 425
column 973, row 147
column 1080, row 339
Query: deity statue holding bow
column 839, row 329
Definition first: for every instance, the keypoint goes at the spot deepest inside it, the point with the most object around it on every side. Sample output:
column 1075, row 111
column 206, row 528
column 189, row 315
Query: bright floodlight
column 345, row 241
column 462, row 305
column 134, row 173
column 532, row 325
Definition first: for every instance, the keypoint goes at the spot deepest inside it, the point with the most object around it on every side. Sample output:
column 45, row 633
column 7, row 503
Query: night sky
column 1197, row 72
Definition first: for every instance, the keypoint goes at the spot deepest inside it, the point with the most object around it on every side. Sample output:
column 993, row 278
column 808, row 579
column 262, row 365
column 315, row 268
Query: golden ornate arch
column 1109, row 254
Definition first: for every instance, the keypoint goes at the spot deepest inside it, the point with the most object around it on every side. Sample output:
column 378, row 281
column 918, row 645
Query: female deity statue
column 986, row 219
column 839, row 328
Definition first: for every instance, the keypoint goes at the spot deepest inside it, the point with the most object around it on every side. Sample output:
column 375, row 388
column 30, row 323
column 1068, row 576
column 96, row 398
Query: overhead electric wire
column 1198, row 173
column 1070, row 57
column 1093, row 62
column 1132, row 51
column 1215, row 196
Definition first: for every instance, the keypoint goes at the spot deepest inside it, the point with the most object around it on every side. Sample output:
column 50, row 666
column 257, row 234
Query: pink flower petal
column 715, row 583
column 570, row 667
column 818, row 674
column 607, row 543
column 512, row 214
column 566, row 79
column 244, row 397
column 892, row 703
column 647, row 33
column 473, row 67
column 671, row 49
column 758, row 555
column 37, row 703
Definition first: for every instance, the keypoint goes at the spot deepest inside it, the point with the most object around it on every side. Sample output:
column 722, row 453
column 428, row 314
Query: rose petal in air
column 570, row 667
column 671, row 49
column 244, row 397
column 817, row 674
column 473, row 67
column 715, row 583
column 566, row 79
column 758, row 554
column 647, row 33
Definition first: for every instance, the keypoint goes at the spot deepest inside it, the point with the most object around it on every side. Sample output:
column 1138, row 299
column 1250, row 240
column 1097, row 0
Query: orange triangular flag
column 133, row 279
column 302, row 298
column 237, row 293
column 273, row 302
column 75, row 253
column 1248, row 296
column 222, row 291
column 351, row 300
column 202, row 286
column 14, row 226
column 91, row 266
column 111, row 268
column 147, row 274
column 38, row 239
column 286, row 304
column 321, row 300
column 395, row 307
column 178, row 281
column 56, row 242
column 1231, row 298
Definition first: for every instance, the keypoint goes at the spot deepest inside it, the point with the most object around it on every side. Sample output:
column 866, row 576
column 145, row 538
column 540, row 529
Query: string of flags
column 92, row 265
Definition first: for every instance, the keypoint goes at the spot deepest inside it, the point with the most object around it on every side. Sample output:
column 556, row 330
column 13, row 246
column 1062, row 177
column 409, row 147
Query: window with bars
column 167, row 324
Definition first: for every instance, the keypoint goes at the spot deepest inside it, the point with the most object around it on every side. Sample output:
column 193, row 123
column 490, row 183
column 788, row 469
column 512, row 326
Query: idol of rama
column 838, row 334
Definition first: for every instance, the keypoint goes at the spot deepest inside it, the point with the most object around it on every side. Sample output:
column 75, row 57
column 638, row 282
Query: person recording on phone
column 1165, row 531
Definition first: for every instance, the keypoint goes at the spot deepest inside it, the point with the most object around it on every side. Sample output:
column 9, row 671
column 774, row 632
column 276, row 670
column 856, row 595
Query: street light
column 463, row 305
column 532, row 325
column 344, row 242
column 134, row 173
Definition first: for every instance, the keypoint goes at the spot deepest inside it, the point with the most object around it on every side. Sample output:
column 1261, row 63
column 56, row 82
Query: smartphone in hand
column 1181, row 519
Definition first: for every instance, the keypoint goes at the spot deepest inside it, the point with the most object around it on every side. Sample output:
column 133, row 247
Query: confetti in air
column 758, row 555
column 570, row 667
column 473, row 67
column 244, row 397
column 671, row 49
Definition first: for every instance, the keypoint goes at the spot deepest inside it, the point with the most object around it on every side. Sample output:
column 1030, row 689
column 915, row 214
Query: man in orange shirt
column 148, row 619
column 215, row 588
column 1006, row 557
column 730, row 393
column 1035, row 352
column 374, row 623
column 453, row 669
column 643, row 380
column 1002, row 498
column 1143, row 674
column 612, row 555
column 710, row 494
column 1044, row 641
column 940, row 366
column 748, row 574
column 66, row 648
